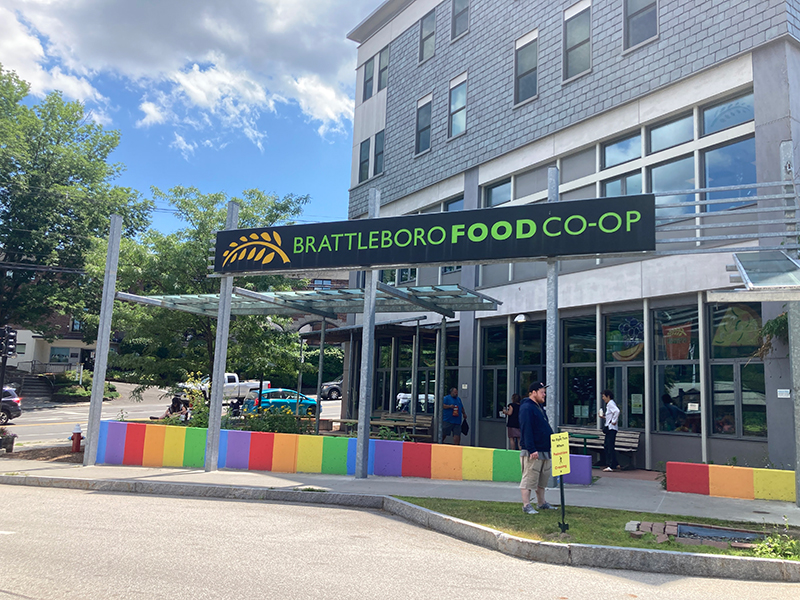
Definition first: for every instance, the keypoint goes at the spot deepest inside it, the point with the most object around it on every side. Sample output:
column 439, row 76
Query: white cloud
column 181, row 145
column 197, row 64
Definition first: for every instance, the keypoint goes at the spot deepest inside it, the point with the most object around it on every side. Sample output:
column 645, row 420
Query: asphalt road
column 68, row 543
column 45, row 423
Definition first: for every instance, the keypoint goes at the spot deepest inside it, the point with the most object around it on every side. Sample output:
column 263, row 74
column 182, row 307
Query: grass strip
column 596, row 526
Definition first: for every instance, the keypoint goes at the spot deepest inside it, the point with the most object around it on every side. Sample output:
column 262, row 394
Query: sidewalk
column 630, row 490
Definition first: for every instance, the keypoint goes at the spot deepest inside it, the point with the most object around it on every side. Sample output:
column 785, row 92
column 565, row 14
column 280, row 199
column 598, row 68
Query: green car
column 278, row 399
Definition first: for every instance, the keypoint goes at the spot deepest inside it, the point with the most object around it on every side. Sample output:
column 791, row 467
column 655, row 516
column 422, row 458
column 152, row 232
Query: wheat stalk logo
column 255, row 247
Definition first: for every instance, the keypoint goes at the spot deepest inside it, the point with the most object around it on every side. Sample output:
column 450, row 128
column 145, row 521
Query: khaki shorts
column 535, row 472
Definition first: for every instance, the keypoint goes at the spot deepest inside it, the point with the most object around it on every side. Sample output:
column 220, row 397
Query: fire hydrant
column 76, row 438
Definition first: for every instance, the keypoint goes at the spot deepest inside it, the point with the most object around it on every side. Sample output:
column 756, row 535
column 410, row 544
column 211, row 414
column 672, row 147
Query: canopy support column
column 319, row 376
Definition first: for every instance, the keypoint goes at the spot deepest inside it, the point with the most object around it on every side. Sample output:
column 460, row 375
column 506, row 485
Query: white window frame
column 523, row 42
column 625, row 27
column 422, row 39
column 453, row 16
column 420, row 104
column 454, row 83
column 570, row 13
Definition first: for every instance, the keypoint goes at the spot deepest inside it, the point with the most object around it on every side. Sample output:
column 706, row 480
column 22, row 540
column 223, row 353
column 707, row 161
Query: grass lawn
column 586, row 525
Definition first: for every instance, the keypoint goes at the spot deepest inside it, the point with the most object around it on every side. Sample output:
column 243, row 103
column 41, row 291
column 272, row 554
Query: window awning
column 442, row 299
column 769, row 276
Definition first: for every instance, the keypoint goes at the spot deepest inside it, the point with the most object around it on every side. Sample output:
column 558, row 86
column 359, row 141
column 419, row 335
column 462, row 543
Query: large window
column 423, row 138
column 738, row 400
column 526, row 62
column 457, row 120
column 622, row 151
column 577, row 39
column 369, row 78
column 735, row 330
column 728, row 114
column 676, row 175
column 496, row 194
column 671, row 134
column 494, row 370
column 641, row 21
column 363, row 162
column 377, row 162
column 460, row 18
column 580, row 372
column 383, row 68
column 625, row 185
column 530, row 355
column 59, row 355
column 730, row 165
column 427, row 36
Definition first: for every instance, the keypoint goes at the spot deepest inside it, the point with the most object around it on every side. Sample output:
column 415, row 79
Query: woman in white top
column 612, row 426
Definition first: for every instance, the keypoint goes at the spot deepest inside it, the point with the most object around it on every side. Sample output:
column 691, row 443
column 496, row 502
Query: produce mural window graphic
column 676, row 333
column 735, row 330
column 624, row 337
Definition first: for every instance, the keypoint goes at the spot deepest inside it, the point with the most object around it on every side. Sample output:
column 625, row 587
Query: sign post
column 559, row 446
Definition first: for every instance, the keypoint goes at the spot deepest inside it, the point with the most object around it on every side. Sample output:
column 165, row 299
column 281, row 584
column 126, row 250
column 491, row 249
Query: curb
column 576, row 555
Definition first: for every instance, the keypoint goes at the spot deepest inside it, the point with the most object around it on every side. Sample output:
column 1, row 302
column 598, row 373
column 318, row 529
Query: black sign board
column 580, row 227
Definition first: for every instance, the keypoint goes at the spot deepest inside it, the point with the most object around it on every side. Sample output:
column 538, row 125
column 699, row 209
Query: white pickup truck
column 233, row 388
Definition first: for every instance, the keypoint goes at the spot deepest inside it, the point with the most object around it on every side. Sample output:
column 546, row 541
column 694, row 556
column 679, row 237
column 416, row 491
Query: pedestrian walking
column 452, row 415
column 512, row 421
column 610, row 430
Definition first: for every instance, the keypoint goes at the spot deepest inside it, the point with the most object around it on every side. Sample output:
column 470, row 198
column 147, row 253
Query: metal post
column 599, row 351
column 553, row 380
column 648, row 385
column 702, row 326
column 367, row 354
column 511, row 344
column 220, row 354
column 440, row 391
column 438, row 395
column 415, row 379
column 300, row 370
column 794, row 355
column 103, row 342
column 351, row 379
column 319, row 375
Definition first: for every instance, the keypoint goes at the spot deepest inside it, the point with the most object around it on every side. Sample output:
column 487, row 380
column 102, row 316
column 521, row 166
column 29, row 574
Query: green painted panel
column 334, row 455
column 505, row 466
column 194, row 452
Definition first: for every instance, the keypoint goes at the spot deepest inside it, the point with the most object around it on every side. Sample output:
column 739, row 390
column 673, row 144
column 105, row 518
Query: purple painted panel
column 580, row 469
column 238, row 455
column 115, row 443
column 388, row 458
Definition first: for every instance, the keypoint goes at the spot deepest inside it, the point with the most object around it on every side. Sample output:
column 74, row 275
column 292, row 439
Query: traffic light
column 11, row 342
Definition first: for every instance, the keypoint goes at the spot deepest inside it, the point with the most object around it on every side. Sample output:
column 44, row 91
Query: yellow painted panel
column 476, row 463
column 309, row 454
column 774, row 484
column 284, row 453
column 154, row 446
column 446, row 462
column 174, row 441
column 730, row 482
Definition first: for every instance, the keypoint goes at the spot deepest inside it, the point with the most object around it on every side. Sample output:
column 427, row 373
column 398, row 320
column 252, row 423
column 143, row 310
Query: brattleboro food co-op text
column 601, row 225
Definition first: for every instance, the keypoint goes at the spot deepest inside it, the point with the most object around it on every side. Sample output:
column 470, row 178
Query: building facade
column 465, row 104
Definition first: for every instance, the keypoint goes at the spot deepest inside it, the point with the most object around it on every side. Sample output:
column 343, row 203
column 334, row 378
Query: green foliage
column 56, row 197
column 779, row 545
column 662, row 474
column 332, row 366
column 387, row 433
column 277, row 421
column 777, row 328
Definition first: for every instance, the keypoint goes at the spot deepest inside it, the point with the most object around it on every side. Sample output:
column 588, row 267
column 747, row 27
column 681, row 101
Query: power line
column 46, row 268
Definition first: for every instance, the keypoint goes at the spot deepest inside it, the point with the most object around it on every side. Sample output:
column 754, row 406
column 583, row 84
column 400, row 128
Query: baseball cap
column 536, row 386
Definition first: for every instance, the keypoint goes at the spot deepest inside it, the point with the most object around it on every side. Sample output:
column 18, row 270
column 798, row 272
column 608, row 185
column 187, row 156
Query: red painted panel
column 261, row 451
column 689, row 478
column 134, row 444
column 416, row 460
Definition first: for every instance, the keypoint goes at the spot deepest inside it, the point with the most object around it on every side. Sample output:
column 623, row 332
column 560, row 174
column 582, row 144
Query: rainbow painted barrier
column 731, row 482
column 154, row 445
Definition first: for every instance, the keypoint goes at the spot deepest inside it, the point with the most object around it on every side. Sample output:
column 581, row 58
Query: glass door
column 627, row 383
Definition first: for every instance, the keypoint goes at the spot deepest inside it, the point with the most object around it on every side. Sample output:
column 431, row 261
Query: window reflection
column 622, row 151
column 625, row 185
column 498, row 194
column 671, row 134
column 728, row 114
column 676, row 333
column 754, row 401
column 723, row 400
column 673, row 176
column 677, row 398
column 734, row 164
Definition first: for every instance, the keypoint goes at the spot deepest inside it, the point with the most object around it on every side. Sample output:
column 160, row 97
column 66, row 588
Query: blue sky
column 224, row 96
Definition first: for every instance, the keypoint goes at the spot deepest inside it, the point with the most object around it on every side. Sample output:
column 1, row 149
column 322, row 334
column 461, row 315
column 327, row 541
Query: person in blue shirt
column 452, row 415
column 534, row 456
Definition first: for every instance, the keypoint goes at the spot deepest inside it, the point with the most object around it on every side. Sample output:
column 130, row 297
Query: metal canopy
column 443, row 299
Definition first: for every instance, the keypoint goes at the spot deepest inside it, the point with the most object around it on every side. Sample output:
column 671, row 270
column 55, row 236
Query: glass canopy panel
column 768, row 269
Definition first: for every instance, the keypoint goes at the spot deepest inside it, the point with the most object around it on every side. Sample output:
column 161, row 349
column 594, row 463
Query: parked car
column 332, row 390
column 403, row 400
column 233, row 387
column 280, row 398
column 10, row 407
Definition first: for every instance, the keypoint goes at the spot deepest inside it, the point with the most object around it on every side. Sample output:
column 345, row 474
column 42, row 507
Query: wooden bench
column 421, row 431
column 627, row 441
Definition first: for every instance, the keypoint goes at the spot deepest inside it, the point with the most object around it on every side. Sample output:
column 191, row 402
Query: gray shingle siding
column 692, row 36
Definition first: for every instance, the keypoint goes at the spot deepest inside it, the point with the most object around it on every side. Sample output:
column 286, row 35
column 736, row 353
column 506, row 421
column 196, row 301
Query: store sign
column 581, row 227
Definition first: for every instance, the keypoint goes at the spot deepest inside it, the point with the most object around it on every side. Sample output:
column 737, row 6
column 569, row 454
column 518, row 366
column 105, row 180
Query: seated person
column 177, row 407
column 672, row 417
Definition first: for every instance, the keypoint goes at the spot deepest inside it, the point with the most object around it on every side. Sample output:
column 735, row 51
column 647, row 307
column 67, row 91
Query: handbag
column 464, row 427
column 605, row 429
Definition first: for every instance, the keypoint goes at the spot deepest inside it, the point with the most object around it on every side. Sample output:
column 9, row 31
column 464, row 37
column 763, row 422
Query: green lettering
column 521, row 233
column 457, row 232
column 632, row 216
column 441, row 239
column 572, row 218
column 408, row 241
column 350, row 237
column 419, row 235
column 336, row 237
column 360, row 247
column 547, row 231
column 603, row 227
column 506, row 233
column 477, row 237
column 386, row 238
column 325, row 243
column 373, row 239
column 310, row 244
column 298, row 245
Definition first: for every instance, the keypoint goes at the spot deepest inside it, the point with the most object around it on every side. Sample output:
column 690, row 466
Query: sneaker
column 608, row 469
column 529, row 510
column 546, row 506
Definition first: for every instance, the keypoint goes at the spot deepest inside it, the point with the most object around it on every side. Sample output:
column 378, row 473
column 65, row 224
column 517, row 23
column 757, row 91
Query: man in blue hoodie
column 535, row 459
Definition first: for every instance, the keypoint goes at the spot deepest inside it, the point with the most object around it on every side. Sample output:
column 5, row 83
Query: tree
column 162, row 346
column 56, row 196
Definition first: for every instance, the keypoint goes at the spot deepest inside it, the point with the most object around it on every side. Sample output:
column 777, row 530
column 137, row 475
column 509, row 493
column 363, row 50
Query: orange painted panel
column 284, row 453
column 730, row 482
column 446, row 462
column 154, row 446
